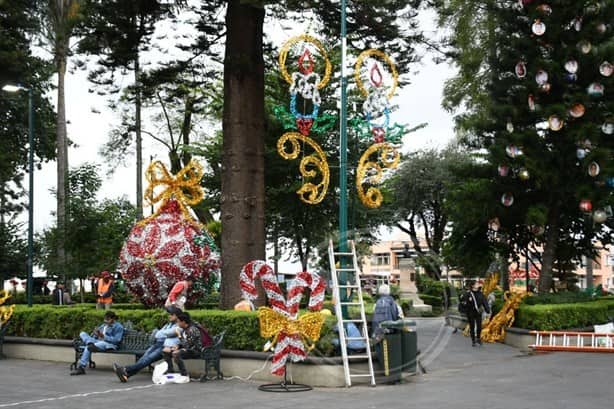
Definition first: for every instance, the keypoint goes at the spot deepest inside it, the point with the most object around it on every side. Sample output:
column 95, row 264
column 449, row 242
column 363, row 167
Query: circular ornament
column 600, row 216
column 606, row 69
column 584, row 47
column 545, row 88
column 555, row 123
column 509, row 126
column 513, row 151
column 580, row 153
column 507, row 199
column 601, row 28
column 595, row 90
column 520, row 70
column 531, row 102
column 586, row 205
column 571, row 66
column 541, row 77
column 608, row 127
column 577, row 23
column 523, row 174
column 545, row 9
column 538, row 28
column 593, row 169
column 577, row 111
column 503, row 170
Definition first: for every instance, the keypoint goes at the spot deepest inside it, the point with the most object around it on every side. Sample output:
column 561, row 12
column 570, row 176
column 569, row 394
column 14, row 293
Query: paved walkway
column 458, row 376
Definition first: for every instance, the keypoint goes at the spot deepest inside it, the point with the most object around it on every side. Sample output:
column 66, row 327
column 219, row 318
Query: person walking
column 104, row 291
column 154, row 352
column 106, row 337
column 476, row 304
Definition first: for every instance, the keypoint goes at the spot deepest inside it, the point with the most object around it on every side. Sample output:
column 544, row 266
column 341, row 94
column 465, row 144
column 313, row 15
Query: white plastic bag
column 160, row 377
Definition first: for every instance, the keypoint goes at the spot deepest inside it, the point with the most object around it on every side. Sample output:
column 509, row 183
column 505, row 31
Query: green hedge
column 550, row 317
column 565, row 297
column 433, row 300
column 60, row 322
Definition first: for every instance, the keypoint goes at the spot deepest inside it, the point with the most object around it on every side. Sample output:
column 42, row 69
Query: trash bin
column 390, row 352
column 409, row 342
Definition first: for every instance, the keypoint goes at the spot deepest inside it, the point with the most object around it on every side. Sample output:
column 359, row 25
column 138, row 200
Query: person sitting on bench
column 107, row 336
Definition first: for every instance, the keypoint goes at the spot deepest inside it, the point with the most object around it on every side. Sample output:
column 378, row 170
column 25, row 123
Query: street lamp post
column 16, row 88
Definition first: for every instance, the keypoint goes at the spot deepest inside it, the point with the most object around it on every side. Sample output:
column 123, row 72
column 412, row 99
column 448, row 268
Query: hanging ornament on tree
column 600, row 216
column 577, row 24
column 531, row 102
column 586, row 205
column 580, row 153
column 595, row 90
column 577, row 111
column 544, row 9
column 523, row 174
column 571, row 66
column 520, row 70
column 538, row 28
column 503, row 170
column 555, row 123
column 541, row 77
column 608, row 127
column 513, row 151
column 162, row 249
column 507, row 199
column 593, row 169
column 509, row 126
column 606, row 69
column 585, row 47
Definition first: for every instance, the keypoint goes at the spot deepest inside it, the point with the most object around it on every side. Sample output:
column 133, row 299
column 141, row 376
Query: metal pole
column 30, row 193
column 343, row 216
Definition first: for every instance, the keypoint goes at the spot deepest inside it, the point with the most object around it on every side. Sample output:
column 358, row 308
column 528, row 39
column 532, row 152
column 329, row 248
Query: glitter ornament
column 595, row 90
column 606, row 69
column 571, row 66
column 577, row 111
column 586, row 205
column 538, row 28
column 520, row 70
column 503, row 170
column 507, row 199
column 600, row 216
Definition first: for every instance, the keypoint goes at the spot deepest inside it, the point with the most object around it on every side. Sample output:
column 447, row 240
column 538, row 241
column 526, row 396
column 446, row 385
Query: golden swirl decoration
column 490, row 284
column 184, row 187
column 307, row 326
column 5, row 312
column 494, row 330
column 283, row 55
column 309, row 167
column 375, row 53
column 389, row 158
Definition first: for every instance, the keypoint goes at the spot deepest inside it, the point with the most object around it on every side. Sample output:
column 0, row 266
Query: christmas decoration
column 586, row 205
column 5, row 312
column 291, row 336
column 600, row 216
column 378, row 91
column 306, row 84
column 170, row 245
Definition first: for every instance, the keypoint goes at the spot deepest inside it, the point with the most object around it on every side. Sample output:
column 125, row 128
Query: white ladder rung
column 350, row 303
column 348, row 286
column 355, row 338
column 345, row 269
column 358, row 375
column 343, row 254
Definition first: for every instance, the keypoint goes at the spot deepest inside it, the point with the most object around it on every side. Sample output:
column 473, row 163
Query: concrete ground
column 457, row 375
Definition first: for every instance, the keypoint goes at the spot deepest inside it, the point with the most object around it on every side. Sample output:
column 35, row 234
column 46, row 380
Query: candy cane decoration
column 284, row 312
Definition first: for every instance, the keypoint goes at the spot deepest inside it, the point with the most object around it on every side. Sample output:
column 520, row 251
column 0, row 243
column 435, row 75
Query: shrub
column 435, row 301
column 550, row 317
column 61, row 322
column 565, row 297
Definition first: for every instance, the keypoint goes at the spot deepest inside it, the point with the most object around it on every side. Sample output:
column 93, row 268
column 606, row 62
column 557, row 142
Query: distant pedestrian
column 476, row 304
column 386, row 309
column 60, row 296
column 104, row 291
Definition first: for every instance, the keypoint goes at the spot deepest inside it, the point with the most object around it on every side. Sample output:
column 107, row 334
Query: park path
column 458, row 375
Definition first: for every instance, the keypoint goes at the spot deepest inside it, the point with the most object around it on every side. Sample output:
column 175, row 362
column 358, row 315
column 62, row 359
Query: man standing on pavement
column 154, row 352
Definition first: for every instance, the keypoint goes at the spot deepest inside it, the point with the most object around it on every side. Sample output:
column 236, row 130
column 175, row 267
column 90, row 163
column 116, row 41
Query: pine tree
column 547, row 126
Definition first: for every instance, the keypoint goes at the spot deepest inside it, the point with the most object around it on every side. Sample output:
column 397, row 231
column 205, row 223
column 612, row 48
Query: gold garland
column 283, row 55
column 308, row 326
column 184, row 187
column 490, row 284
column 375, row 53
column 494, row 330
column 389, row 158
column 309, row 193
column 5, row 312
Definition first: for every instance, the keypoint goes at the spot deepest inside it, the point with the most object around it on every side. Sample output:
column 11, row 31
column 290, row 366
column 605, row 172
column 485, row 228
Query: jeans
column 178, row 356
column 98, row 343
column 151, row 355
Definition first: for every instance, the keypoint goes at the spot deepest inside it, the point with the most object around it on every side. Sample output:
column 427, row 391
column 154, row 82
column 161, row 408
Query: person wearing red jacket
column 179, row 293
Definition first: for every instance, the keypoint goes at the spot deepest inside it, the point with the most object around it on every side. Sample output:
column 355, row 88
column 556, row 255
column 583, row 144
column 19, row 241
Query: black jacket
column 476, row 301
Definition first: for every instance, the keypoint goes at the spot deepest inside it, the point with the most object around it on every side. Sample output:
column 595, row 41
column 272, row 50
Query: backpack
column 463, row 303
column 205, row 338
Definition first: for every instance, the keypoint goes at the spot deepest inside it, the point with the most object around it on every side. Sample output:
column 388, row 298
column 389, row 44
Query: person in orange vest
column 179, row 293
column 104, row 291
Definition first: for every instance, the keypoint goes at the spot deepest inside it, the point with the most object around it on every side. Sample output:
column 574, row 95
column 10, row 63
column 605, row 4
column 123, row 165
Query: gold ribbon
column 5, row 312
column 389, row 158
column 307, row 326
column 184, row 187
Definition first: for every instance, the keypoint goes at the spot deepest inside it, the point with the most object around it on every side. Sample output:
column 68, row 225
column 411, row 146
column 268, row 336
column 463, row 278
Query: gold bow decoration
column 371, row 172
column 276, row 325
column 183, row 187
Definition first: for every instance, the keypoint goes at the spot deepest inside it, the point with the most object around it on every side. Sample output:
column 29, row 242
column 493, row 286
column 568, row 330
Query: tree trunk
column 139, row 140
column 552, row 237
column 242, row 199
column 62, row 159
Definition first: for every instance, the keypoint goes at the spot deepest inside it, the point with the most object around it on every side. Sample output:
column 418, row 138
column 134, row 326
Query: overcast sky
column 417, row 103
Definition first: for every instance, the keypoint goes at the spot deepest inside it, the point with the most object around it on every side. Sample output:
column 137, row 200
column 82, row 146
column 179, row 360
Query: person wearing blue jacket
column 106, row 337
column 154, row 352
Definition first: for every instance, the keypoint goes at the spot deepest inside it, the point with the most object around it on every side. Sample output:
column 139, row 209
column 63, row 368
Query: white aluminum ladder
column 352, row 283
column 572, row 341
